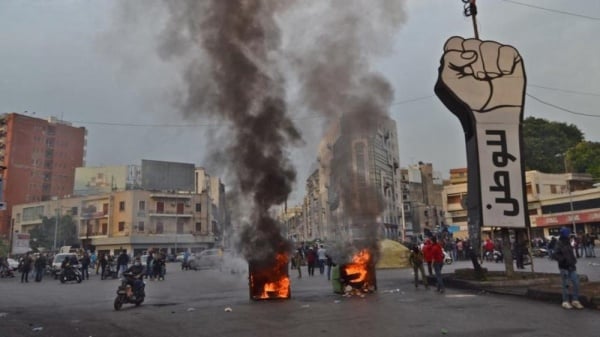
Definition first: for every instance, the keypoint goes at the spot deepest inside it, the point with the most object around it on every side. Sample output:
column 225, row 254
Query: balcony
column 169, row 214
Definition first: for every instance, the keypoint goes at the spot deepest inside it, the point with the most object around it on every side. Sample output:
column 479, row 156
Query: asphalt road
column 193, row 303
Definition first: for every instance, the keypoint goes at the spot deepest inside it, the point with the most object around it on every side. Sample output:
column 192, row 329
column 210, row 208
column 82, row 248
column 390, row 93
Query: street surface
column 193, row 303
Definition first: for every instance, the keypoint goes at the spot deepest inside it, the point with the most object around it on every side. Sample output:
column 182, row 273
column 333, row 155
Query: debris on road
column 37, row 328
column 191, row 309
column 228, row 309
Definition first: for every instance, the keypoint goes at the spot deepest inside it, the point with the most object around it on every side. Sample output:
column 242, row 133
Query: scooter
column 127, row 294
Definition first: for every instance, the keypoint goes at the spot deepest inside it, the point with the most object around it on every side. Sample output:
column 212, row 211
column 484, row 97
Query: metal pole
column 55, row 228
column 570, row 195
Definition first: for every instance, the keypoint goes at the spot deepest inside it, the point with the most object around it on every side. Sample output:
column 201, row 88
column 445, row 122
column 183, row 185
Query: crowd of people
column 34, row 266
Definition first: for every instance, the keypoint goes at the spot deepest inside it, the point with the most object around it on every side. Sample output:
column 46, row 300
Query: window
column 73, row 210
column 159, row 228
column 121, row 206
column 198, row 207
column 121, row 226
column 140, row 226
column 198, row 226
column 160, row 207
column 142, row 205
column 104, row 209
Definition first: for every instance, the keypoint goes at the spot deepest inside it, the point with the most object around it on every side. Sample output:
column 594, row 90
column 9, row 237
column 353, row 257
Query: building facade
column 134, row 220
column 40, row 156
column 422, row 199
column 553, row 201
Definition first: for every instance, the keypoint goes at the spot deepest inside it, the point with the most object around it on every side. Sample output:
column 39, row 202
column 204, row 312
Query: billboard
column 20, row 244
column 167, row 176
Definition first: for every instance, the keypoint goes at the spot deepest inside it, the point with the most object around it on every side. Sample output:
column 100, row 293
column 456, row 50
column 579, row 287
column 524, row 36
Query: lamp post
column 572, row 216
column 56, row 228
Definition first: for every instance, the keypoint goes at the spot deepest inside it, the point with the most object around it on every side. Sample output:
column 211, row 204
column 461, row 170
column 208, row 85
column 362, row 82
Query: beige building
column 554, row 200
column 134, row 220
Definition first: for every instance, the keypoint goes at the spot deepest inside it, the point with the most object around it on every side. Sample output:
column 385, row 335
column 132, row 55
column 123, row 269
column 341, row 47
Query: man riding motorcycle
column 134, row 275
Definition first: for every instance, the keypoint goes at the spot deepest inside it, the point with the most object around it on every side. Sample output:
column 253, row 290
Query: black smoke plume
column 235, row 42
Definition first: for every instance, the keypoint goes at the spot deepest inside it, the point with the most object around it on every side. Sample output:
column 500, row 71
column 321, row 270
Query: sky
column 85, row 63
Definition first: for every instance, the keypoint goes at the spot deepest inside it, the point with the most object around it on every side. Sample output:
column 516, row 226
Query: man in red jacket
column 427, row 255
column 437, row 255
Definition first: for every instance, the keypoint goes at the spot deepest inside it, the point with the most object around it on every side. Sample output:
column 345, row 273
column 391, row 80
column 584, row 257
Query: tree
column 585, row 158
column 42, row 236
column 544, row 140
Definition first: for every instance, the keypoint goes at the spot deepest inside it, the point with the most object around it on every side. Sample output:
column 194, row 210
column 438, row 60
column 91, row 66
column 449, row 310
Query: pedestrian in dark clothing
column 311, row 260
column 102, row 261
column 40, row 267
column 122, row 262
column 566, row 259
column 329, row 263
column 85, row 264
column 26, row 268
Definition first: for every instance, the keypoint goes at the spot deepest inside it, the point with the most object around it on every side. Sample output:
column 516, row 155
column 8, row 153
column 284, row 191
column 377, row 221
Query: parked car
column 208, row 258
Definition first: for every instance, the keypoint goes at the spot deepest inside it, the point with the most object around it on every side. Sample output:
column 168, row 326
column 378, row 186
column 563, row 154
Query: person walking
column 437, row 256
column 416, row 260
column 566, row 259
column 26, row 268
column 311, row 259
column 322, row 255
column 427, row 255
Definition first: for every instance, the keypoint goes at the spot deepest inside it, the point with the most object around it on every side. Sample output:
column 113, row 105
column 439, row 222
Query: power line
column 565, row 90
column 552, row 10
column 217, row 124
column 561, row 108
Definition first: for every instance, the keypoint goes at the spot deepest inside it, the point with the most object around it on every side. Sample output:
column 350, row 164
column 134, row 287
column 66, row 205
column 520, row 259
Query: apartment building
column 40, row 156
column 134, row 220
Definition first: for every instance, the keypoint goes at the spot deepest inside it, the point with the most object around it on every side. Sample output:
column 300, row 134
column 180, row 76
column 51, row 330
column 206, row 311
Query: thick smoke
column 235, row 56
column 236, row 82
column 332, row 63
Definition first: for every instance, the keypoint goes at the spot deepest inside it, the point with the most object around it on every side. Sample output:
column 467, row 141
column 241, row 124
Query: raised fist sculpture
column 483, row 84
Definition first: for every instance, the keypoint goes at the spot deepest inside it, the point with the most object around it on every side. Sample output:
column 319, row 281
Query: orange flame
column 276, row 281
column 359, row 266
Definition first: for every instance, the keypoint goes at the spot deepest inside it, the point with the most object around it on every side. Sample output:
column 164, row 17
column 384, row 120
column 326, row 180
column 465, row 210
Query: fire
column 270, row 281
column 358, row 276
column 358, row 268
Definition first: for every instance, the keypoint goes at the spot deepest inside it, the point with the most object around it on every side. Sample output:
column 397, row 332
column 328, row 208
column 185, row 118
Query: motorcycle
column 70, row 273
column 6, row 272
column 447, row 258
column 127, row 294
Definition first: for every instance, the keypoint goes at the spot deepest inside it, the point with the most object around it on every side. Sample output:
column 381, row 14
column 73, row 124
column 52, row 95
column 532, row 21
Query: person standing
column 93, row 261
column 149, row 266
column 40, row 267
column 298, row 261
column 566, row 259
column 26, row 268
column 102, row 262
column 416, row 260
column 122, row 262
column 85, row 264
column 437, row 256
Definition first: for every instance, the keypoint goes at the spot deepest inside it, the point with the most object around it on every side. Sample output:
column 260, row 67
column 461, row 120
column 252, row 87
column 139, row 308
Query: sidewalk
column 537, row 286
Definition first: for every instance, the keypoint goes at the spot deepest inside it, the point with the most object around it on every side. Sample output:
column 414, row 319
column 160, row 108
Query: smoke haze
column 237, row 59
